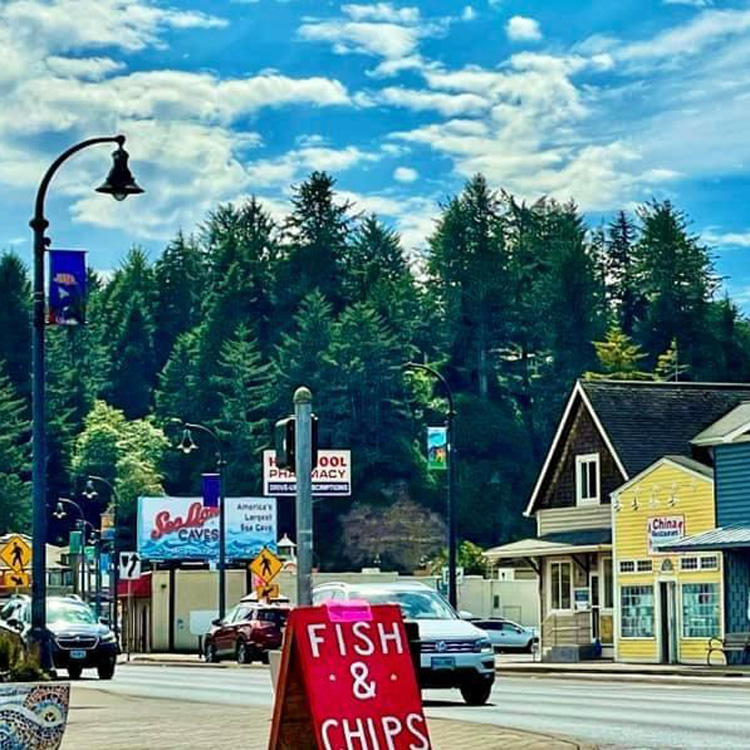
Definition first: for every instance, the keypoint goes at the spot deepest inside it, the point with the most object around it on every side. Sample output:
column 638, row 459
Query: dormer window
column 587, row 479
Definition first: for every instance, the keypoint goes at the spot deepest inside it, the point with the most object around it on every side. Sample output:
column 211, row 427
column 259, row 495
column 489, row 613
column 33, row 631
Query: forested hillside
column 507, row 300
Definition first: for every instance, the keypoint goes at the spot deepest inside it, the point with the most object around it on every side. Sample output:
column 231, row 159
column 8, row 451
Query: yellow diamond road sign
column 266, row 565
column 16, row 553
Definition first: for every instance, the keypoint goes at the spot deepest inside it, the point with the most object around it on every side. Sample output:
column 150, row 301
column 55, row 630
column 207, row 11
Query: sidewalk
column 118, row 722
column 609, row 670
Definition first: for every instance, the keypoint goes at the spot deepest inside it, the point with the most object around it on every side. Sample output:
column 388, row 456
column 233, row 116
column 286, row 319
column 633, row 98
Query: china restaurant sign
column 182, row 528
column 663, row 530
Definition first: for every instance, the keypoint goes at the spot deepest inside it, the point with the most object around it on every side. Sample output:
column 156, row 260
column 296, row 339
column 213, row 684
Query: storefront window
column 637, row 612
column 560, row 575
column 700, row 610
column 608, row 584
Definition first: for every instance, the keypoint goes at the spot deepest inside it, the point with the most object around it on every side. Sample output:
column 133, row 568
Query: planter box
column 34, row 714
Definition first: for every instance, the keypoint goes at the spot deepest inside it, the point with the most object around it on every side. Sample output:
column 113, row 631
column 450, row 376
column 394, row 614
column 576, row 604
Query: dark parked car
column 78, row 640
column 247, row 633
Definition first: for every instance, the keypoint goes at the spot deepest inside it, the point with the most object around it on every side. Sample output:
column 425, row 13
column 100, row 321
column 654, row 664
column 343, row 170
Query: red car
column 247, row 633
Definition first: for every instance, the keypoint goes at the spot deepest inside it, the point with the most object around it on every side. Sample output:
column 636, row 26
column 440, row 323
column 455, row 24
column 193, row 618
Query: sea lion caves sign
column 347, row 682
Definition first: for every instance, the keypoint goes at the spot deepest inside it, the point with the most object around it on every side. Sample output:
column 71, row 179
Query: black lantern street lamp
column 91, row 493
column 119, row 184
column 187, row 445
column 452, row 541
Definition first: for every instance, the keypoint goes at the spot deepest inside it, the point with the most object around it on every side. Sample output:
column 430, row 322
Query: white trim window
column 561, row 585
column 700, row 610
column 587, row 479
column 637, row 611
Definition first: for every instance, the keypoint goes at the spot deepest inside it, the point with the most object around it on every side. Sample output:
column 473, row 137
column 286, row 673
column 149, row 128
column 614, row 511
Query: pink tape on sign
column 356, row 610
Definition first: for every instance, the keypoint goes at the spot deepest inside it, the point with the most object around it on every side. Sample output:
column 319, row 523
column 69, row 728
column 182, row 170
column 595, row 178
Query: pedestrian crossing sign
column 16, row 553
column 266, row 565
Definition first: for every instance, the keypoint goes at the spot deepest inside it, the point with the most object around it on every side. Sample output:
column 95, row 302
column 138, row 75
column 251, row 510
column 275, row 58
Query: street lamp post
column 81, row 523
column 188, row 445
column 91, row 493
column 119, row 184
column 452, row 589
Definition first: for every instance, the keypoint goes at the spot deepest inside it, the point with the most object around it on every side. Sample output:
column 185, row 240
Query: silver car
column 453, row 653
column 507, row 635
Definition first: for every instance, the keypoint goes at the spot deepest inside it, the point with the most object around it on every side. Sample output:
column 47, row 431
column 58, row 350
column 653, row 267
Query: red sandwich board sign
column 347, row 682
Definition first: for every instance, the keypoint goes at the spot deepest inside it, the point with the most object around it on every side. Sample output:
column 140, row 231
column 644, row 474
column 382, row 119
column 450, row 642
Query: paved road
column 614, row 715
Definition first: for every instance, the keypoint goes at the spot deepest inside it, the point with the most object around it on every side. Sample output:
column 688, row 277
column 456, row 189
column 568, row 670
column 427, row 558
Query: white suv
column 453, row 653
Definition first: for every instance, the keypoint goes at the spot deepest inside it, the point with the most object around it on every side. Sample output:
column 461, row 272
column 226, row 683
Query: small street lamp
column 119, row 184
column 187, row 445
column 452, row 542
column 91, row 493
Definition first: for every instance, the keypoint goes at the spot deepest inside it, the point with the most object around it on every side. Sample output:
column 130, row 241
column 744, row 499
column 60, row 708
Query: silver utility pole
column 303, row 472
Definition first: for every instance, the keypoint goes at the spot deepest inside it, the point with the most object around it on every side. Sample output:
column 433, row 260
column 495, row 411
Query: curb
column 740, row 681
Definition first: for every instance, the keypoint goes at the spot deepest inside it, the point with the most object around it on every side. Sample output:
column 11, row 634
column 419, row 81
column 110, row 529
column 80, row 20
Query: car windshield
column 70, row 612
column 277, row 616
column 415, row 604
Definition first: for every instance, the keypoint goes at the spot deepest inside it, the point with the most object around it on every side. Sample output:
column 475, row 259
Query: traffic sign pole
column 303, row 471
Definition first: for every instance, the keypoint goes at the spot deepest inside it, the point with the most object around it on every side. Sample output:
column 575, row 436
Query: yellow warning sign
column 267, row 592
column 16, row 553
column 266, row 565
column 16, row 579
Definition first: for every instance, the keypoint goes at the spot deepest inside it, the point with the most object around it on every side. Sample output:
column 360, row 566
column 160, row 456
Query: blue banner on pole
column 211, row 490
column 67, row 287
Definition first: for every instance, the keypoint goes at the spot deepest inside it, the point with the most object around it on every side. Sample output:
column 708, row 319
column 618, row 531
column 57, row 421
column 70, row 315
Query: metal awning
column 728, row 537
column 559, row 543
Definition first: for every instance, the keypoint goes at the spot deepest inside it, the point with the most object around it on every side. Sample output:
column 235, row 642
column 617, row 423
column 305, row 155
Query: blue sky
column 606, row 102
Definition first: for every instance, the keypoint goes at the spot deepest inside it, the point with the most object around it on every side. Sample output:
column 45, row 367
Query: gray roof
column 645, row 421
column 723, row 428
column 693, row 465
column 558, row 543
column 716, row 539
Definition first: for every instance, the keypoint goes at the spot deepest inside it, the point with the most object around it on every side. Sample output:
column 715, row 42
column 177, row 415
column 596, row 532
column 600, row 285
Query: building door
column 595, row 605
column 667, row 623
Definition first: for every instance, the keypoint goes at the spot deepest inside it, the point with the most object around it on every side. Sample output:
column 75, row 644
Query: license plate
column 77, row 654
column 443, row 662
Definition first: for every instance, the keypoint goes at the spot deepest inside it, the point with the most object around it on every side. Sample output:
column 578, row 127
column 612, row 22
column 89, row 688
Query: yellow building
column 667, row 604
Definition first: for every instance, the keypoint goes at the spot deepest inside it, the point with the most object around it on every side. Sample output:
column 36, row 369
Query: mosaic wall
column 33, row 716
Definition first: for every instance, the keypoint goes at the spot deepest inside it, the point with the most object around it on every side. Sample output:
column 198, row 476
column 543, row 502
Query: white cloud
column 382, row 12
column 420, row 101
column 469, row 14
column 522, row 29
column 693, row 3
column 734, row 239
column 405, row 174
column 379, row 39
column 688, row 39
column 187, row 133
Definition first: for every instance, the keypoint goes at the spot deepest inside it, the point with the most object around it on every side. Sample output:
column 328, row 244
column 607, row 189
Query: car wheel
column 75, row 671
column 476, row 693
column 243, row 653
column 106, row 669
column 529, row 646
column 264, row 658
column 211, row 656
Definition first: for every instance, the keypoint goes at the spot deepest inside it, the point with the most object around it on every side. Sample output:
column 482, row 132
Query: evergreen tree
column 133, row 374
column 180, row 281
column 467, row 263
column 318, row 232
column 620, row 268
column 668, row 365
column 178, row 394
column 242, row 383
column 15, row 492
column 619, row 358
column 15, row 322
column 677, row 279
column 303, row 356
